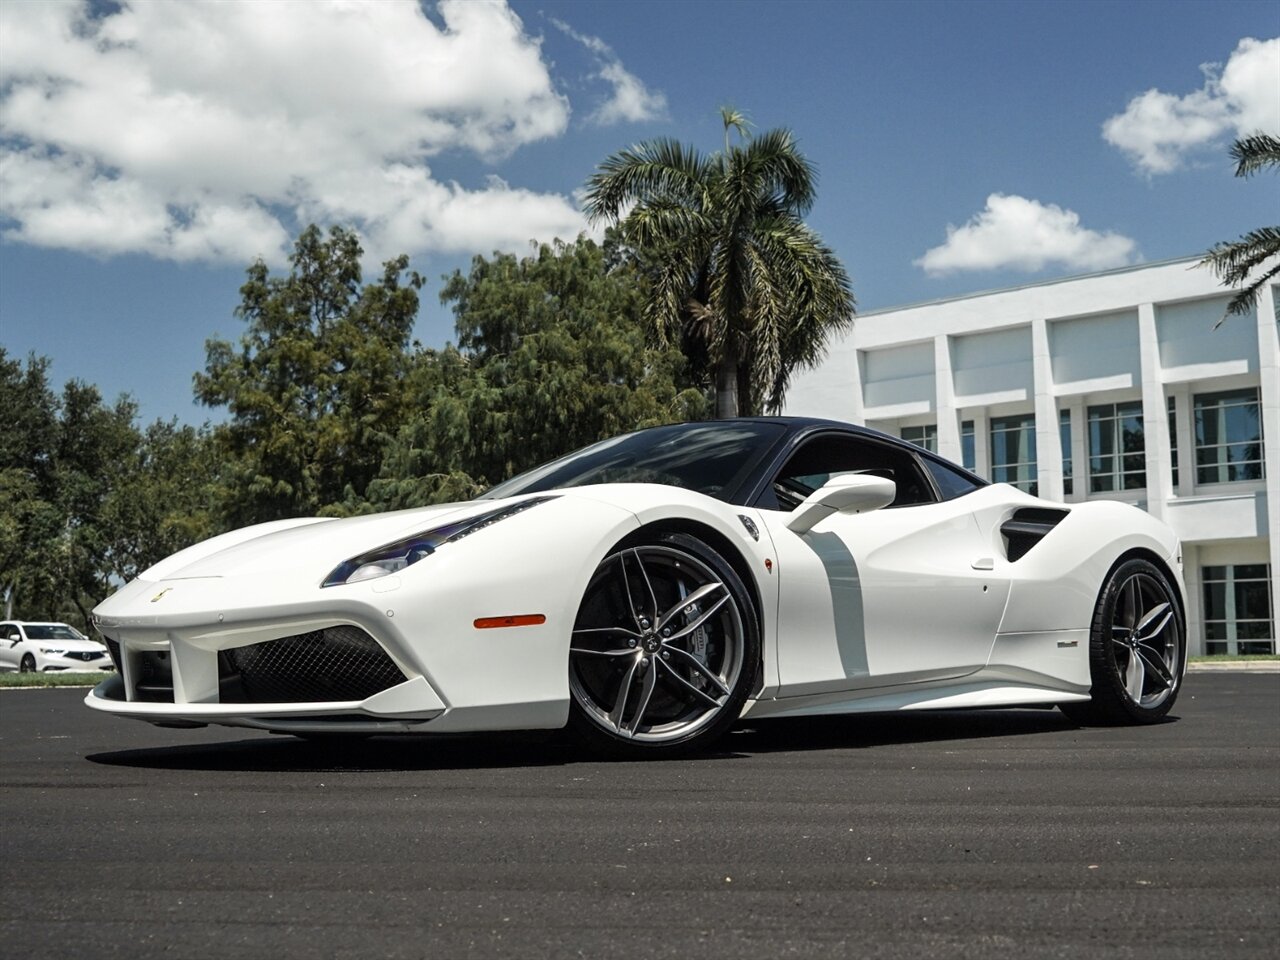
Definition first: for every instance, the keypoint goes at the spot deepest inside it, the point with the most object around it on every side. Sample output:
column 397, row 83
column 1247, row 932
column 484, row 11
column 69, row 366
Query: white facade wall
column 1143, row 334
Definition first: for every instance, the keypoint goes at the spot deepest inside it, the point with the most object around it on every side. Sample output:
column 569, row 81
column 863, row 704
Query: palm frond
column 661, row 167
column 1233, row 261
column 1236, row 262
column 778, row 166
column 663, row 222
column 1255, row 153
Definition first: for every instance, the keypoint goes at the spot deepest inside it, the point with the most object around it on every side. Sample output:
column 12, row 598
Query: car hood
column 314, row 545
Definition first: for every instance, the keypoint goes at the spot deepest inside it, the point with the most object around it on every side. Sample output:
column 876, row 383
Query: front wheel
column 664, row 649
column 1137, row 649
column 28, row 664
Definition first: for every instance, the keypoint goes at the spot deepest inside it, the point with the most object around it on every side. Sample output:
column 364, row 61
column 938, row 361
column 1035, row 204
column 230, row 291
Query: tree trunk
column 746, row 408
column 727, row 386
column 85, row 618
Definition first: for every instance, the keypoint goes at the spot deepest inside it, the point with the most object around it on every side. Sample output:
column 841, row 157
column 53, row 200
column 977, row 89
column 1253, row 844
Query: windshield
column 712, row 458
column 51, row 631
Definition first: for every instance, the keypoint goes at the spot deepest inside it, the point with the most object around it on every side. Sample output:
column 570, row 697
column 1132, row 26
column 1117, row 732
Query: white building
column 1111, row 385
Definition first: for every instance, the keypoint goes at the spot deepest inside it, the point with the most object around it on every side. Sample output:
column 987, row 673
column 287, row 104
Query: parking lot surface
column 988, row 834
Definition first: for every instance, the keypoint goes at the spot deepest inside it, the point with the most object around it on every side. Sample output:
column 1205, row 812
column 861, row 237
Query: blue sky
column 148, row 154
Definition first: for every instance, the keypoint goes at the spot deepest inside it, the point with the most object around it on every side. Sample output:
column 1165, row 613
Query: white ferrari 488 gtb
column 652, row 589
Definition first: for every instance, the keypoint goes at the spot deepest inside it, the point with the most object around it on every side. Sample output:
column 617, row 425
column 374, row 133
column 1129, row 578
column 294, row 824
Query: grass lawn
column 59, row 678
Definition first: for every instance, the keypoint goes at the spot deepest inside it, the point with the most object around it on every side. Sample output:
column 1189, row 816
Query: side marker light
column 518, row 620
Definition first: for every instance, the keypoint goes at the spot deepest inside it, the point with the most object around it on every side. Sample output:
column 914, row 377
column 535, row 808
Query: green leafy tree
column 551, row 356
column 60, row 461
column 748, row 290
column 313, row 387
column 165, row 498
column 94, row 441
column 1254, row 259
column 29, row 518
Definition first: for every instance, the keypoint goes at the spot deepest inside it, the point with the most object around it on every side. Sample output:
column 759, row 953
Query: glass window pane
column 1252, row 600
column 1101, row 437
column 1228, row 435
column 950, row 483
column 1253, row 629
column 1242, row 422
column 1215, row 601
column 1215, row 630
column 1244, row 471
column 1215, row 648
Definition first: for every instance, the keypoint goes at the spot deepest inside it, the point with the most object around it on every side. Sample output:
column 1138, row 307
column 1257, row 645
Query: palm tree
column 738, row 280
column 1234, row 262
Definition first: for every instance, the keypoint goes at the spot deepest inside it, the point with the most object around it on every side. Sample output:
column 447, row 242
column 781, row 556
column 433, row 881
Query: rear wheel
column 28, row 664
column 1137, row 649
column 664, row 649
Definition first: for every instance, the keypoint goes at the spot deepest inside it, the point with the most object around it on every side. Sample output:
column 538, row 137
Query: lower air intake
column 340, row 663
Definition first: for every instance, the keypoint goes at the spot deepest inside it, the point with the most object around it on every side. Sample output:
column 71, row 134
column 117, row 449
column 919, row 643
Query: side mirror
column 849, row 493
column 14, row 638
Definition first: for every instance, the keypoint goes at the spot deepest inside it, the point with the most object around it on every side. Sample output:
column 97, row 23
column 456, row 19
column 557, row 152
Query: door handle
column 983, row 563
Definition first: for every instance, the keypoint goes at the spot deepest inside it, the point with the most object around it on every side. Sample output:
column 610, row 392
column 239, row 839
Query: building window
column 1117, row 458
column 1173, row 442
column 968, row 456
column 1228, row 437
column 1013, row 451
column 926, row 436
column 1064, row 440
column 1237, row 609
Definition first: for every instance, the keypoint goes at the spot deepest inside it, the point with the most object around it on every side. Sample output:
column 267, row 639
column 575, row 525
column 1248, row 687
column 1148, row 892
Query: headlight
column 393, row 557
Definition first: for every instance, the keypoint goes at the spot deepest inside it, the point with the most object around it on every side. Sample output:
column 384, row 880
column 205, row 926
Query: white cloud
column 1021, row 234
column 207, row 130
column 1157, row 129
column 629, row 100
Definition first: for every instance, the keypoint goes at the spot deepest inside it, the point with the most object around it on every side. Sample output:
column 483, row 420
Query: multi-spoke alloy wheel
column 1137, row 648
column 664, row 648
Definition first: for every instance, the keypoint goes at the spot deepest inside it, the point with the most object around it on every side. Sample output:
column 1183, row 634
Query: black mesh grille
column 341, row 663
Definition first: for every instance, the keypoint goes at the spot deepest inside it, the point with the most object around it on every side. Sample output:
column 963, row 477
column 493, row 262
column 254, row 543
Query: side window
column 951, row 482
column 7, row 630
column 823, row 457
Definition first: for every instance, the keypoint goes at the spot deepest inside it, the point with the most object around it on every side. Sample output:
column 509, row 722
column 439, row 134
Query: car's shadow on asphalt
column 498, row 750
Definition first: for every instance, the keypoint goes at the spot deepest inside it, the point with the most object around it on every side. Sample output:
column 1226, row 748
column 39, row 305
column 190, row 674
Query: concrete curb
column 1252, row 666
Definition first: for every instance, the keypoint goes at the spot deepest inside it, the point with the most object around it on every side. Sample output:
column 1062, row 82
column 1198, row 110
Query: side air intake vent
column 1026, row 528
column 324, row 666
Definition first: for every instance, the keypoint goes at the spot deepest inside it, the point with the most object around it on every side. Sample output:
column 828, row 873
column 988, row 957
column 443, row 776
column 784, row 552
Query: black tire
column 28, row 664
column 1137, row 649
column 653, row 676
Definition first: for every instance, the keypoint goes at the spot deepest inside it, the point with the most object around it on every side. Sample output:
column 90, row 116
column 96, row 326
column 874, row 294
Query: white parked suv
column 36, row 647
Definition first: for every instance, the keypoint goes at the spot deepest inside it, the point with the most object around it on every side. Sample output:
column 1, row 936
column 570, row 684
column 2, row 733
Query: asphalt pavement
column 988, row 834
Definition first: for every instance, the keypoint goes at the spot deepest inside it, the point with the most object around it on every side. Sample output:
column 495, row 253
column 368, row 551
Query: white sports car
column 652, row 589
